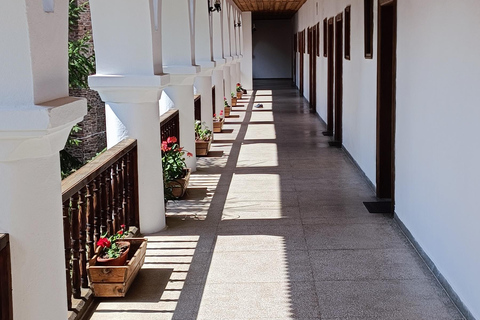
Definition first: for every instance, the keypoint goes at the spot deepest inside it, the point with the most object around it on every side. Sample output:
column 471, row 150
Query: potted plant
column 113, row 279
column 203, row 138
column 110, row 251
column 218, row 122
column 176, row 175
column 227, row 108
column 240, row 91
column 234, row 99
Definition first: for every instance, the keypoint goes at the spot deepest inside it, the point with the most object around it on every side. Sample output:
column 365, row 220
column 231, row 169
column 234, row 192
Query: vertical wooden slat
column 135, row 187
column 113, row 213
column 68, row 251
column 75, row 247
column 82, row 215
column 6, row 307
column 129, row 182
column 108, row 190
column 97, row 210
column 103, row 204
column 121, row 168
column 90, row 220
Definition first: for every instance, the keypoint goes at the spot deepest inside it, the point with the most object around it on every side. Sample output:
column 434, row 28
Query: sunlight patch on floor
column 265, row 131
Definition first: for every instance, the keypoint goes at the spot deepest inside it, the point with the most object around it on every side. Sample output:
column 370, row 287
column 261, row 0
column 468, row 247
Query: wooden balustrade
column 170, row 125
column 213, row 100
column 6, row 311
column 98, row 198
column 198, row 107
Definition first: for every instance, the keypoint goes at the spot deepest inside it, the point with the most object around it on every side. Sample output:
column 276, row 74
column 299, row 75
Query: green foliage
column 202, row 132
column 173, row 164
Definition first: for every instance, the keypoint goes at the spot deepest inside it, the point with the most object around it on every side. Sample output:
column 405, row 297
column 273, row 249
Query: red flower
column 171, row 140
column 103, row 242
column 214, row 115
column 238, row 84
column 120, row 232
column 165, row 146
column 122, row 226
column 189, row 154
column 221, row 113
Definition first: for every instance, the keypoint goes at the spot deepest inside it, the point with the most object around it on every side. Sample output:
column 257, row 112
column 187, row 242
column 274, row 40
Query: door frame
column 330, row 76
column 338, row 123
column 386, row 189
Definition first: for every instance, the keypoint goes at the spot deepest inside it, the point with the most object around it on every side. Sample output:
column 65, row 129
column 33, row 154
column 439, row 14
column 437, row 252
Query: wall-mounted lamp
column 216, row 6
column 239, row 24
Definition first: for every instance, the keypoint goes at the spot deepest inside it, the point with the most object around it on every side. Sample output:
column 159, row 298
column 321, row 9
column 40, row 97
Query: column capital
column 129, row 88
column 39, row 130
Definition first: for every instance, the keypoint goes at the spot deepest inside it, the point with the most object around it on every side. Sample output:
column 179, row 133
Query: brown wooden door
column 302, row 56
column 313, row 69
column 386, row 93
column 338, row 124
column 330, row 77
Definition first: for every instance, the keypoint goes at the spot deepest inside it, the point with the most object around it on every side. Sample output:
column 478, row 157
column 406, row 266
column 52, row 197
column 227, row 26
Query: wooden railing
column 198, row 107
column 170, row 125
column 6, row 312
column 213, row 100
column 98, row 198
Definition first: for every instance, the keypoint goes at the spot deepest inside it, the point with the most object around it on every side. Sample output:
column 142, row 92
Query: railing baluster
column 121, row 218
column 135, row 188
column 76, row 247
column 108, row 189
column 90, row 220
column 82, row 214
column 68, row 251
column 114, row 196
column 97, row 210
column 129, row 190
column 103, row 204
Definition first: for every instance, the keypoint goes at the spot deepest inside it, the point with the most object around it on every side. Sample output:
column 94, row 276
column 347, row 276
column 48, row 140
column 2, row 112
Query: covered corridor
column 274, row 227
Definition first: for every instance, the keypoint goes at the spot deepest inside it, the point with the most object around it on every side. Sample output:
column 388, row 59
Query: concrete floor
column 274, row 227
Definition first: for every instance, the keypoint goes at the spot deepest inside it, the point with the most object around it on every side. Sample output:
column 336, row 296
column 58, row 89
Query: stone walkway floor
column 274, row 227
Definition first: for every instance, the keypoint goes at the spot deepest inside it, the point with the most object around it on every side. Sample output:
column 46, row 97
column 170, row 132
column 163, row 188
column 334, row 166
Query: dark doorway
column 330, row 79
column 313, row 69
column 302, row 57
column 386, row 93
column 338, row 136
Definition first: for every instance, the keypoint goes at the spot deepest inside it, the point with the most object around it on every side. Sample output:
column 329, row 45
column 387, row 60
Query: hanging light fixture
column 216, row 6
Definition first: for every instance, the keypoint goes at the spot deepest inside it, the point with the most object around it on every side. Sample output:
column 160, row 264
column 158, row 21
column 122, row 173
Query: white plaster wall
column 437, row 174
column 136, row 52
column 203, row 46
column 359, row 80
column 177, row 39
column 437, row 184
column 246, row 64
column 272, row 49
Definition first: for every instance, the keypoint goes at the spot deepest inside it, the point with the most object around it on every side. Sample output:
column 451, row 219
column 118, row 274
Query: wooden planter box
column 227, row 111
column 112, row 282
column 218, row 125
column 234, row 101
column 239, row 94
column 179, row 186
column 202, row 147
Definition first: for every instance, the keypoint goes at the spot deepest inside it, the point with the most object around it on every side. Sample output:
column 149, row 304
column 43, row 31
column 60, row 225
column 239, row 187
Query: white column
column 217, row 79
column 233, row 75
column 180, row 96
column 203, row 86
column 226, row 8
column 203, row 35
column 227, row 77
column 129, row 80
column 246, row 65
column 217, row 37
column 36, row 116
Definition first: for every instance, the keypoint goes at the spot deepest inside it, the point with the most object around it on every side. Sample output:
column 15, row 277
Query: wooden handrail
column 3, row 240
column 80, row 178
column 167, row 116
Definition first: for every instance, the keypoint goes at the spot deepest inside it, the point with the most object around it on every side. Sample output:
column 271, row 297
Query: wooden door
column 338, row 123
column 302, row 56
column 386, row 99
column 330, row 77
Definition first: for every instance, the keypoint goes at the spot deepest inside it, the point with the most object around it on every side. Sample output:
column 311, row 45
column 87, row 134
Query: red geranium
column 104, row 243
column 171, row 140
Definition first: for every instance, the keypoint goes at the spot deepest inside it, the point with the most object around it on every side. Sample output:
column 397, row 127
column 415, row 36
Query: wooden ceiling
column 270, row 9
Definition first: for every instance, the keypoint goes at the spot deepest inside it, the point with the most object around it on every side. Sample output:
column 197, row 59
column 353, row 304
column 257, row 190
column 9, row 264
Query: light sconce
column 216, row 6
column 239, row 24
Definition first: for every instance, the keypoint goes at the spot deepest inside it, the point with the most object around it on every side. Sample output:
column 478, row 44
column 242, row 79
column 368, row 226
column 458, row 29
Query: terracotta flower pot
column 120, row 261
column 234, row 101
column 239, row 94
column 227, row 111
column 218, row 125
